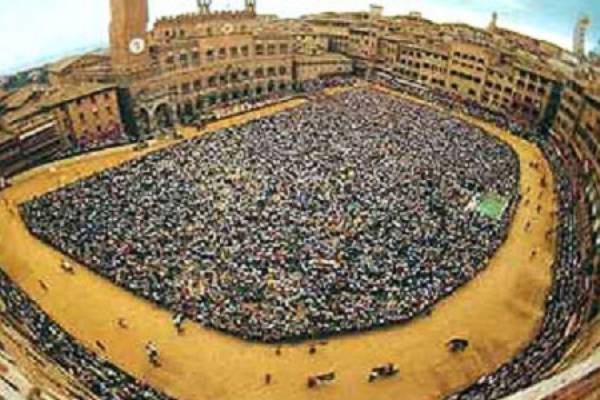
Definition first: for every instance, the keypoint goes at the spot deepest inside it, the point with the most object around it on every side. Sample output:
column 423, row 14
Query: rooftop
column 65, row 94
column 65, row 63
column 35, row 99
column 18, row 98
column 5, row 135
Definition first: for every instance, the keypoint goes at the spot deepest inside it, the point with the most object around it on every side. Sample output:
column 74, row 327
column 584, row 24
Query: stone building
column 87, row 68
column 29, row 133
column 187, row 65
column 578, row 123
column 38, row 123
column 86, row 112
column 484, row 66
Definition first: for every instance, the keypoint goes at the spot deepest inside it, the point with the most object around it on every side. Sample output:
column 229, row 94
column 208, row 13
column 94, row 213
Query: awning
column 36, row 131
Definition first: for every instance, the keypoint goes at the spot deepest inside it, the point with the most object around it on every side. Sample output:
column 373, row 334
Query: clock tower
column 251, row 6
column 128, row 24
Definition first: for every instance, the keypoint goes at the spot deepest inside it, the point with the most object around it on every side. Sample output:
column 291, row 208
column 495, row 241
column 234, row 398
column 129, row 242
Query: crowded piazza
column 232, row 205
column 271, row 230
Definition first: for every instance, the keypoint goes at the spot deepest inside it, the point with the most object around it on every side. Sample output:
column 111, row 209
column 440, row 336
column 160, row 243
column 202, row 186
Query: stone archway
column 247, row 92
column 225, row 97
column 200, row 104
column 163, row 116
column 259, row 91
column 187, row 112
column 143, row 122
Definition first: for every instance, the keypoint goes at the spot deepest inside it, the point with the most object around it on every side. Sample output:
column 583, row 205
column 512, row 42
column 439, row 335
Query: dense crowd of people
column 317, row 85
column 348, row 213
column 566, row 305
column 84, row 145
column 98, row 375
column 453, row 103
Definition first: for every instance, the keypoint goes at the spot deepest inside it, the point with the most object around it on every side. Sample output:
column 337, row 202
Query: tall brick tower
column 251, row 6
column 128, row 24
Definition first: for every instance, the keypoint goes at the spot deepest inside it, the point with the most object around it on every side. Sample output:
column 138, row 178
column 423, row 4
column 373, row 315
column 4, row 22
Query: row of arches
column 163, row 115
column 150, row 119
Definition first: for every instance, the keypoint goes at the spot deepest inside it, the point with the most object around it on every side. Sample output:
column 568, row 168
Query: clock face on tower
column 227, row 29
column 137, row 46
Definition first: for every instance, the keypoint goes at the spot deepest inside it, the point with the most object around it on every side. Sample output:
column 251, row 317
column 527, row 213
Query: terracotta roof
column 22, row 113
column 65, row 94
column 535, row 66
column 5, row 137
column 18, row 98
column 33, row 100
column 593, row 89
column 65, row 63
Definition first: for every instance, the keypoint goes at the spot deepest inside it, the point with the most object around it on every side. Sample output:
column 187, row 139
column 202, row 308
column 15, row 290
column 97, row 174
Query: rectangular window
column 183, row 59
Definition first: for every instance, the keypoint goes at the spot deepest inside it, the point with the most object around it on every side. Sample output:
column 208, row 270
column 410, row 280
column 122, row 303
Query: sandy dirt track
column 499, row 311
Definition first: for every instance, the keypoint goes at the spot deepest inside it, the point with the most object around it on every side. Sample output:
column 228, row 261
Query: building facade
column 489, row 67
column 188, row 65
column 38, row 124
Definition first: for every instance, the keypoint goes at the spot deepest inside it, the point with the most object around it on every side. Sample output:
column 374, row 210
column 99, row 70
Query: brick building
column 187, row 65
column 38, row 123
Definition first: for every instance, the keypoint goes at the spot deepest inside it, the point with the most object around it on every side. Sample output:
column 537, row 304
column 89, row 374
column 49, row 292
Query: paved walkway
column 499, row 312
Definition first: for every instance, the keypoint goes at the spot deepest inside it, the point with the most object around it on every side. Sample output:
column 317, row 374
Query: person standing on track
column 152, row 353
